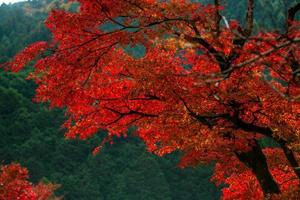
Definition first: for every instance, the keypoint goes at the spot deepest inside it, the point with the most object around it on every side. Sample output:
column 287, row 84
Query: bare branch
column 292, row 13
column 249, row 18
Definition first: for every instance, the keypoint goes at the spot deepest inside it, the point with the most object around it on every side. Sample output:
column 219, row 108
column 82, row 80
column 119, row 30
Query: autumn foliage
column 14, row 185
column 206, row 86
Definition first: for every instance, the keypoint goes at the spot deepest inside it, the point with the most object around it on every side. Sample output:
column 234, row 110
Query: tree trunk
column 256, row 161
column 290, row 157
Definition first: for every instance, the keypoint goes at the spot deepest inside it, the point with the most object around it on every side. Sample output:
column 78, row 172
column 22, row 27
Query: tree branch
column 264, row 54
column 241, row 39
column 292, row 13
column 218, row 16
column 220, row 58
column 249, row 18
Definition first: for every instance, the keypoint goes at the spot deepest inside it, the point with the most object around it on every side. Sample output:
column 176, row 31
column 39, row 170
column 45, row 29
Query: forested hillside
column 31, row 133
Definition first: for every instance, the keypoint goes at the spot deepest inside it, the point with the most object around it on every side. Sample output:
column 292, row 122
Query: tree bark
column 290, row 157
column 269, row 133
column 256, row 161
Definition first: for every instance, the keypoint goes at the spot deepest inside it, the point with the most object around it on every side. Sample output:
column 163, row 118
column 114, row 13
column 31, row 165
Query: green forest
column 31, row 133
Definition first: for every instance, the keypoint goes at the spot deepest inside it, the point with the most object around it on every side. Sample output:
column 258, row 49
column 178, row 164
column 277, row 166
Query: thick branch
column 249, row 127
column 249, row 18
column 292, row 13
column 256, row 161
column 218, row 16
column 269, row 133
column 290, row 157
column 295, row 65
column 220, row 58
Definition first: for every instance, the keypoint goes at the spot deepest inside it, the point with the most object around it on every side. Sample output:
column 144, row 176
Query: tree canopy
column 209, row 87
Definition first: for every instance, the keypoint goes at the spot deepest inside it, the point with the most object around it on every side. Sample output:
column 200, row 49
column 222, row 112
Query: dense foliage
column 31, row 134
column 14, row 185
column 206, row 86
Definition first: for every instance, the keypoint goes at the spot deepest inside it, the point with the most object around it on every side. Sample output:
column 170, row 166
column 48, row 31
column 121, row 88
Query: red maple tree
column 210, row 89
column 14, row 185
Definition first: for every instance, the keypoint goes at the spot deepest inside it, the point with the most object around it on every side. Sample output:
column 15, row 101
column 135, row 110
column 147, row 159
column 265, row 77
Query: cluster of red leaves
column 240, row 182
column 14, row 185
column 208, row 111
column 27, row 55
